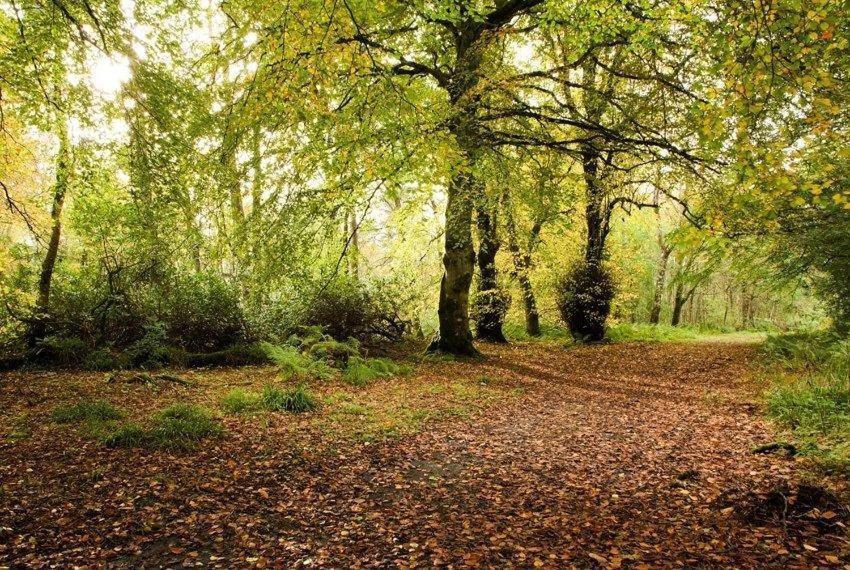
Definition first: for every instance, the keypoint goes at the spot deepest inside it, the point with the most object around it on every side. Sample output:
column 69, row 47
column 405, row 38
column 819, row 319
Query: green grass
column 516, row 331
column 178, row 427
column 810, row 396
column 632, row 332
column 240, row 401
column 86, row 411
column 362, row 371
column 295, row 400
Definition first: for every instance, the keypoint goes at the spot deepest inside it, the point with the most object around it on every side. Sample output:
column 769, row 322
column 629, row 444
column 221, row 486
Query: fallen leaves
column 609, row 456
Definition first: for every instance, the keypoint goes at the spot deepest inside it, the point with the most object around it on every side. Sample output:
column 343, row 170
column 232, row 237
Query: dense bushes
column 584, row 297
column 203, row 314
column 346, row 308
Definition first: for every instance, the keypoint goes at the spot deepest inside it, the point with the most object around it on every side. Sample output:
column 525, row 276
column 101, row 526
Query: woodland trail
column 628, row 455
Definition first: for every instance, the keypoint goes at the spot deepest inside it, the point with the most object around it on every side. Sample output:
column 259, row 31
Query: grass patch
column 362, row 371
column 240, row 401
column 86, row 411
column 634, row 332
column 548, row 331
column 178, row 427
column 295, row 400
column 810, row 395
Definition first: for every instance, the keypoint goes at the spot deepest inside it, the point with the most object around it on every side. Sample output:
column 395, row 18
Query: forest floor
column 624, row 455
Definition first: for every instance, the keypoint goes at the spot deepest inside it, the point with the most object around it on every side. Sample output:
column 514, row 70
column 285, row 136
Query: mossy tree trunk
column 459, row 257
column 38, row 328
column 490, row 303
column 522, row 267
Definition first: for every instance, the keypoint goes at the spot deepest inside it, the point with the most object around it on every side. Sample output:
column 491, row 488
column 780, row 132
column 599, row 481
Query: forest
column 466, row 283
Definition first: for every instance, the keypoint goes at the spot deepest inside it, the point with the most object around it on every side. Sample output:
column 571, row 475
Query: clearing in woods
column 614, row 455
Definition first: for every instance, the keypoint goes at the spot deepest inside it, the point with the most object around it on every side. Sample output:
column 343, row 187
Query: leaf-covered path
column 620, row 455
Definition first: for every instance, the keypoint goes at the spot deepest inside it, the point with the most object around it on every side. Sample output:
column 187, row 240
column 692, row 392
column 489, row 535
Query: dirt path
column 622, row 455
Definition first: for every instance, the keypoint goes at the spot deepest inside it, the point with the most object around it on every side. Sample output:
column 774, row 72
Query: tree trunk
column 257, row 167
column 678, row 303
column 229, row 146
column 658, row 294
column 459, row 264
column 63, row 170
column 522, row 266
column 594, row 209
column 490, row 302
column 353, row 247
column 459, row 258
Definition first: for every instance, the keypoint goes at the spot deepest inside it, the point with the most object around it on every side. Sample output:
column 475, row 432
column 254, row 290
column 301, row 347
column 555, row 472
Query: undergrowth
column 810, row 395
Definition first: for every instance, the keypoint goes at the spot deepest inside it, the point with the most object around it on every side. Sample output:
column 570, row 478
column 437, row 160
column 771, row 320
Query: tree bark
column 678, row 303
column 459, row 257
column 490, row 299
column 522, row 267
column 595, row 215
column 63, row 170
column 660, row 277
column 257, row 167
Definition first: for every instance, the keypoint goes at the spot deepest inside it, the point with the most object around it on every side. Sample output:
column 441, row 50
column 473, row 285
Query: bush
column 295, row 400
column 86, row 411
column 345, row 308
column 204, row 314
column 238, row 355
column 240, row 401
column 293, row 364
column 62, row 351
column 152, row 350
column 102, row 359
column 584, row 300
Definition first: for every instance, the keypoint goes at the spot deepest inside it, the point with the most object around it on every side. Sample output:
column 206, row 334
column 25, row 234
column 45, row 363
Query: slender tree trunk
column 353, row 246
column 678, row 303
column 522, row 266
column 229, row 146
column 490, row 300
column 594, row 209
column 660, row 278
column 45, row 280
column 257, row 167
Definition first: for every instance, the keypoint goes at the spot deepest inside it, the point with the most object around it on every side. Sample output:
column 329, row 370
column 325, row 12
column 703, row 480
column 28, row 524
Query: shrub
column 62, row 351
column 239, row 401
column 86, row 410
column 204, row 314
column 295, row 400
column 584, row 300
column 346, row 308
column 152, row 350
column 103, row 359
column 237, row 355
column 293, row 364
column 335, row 353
